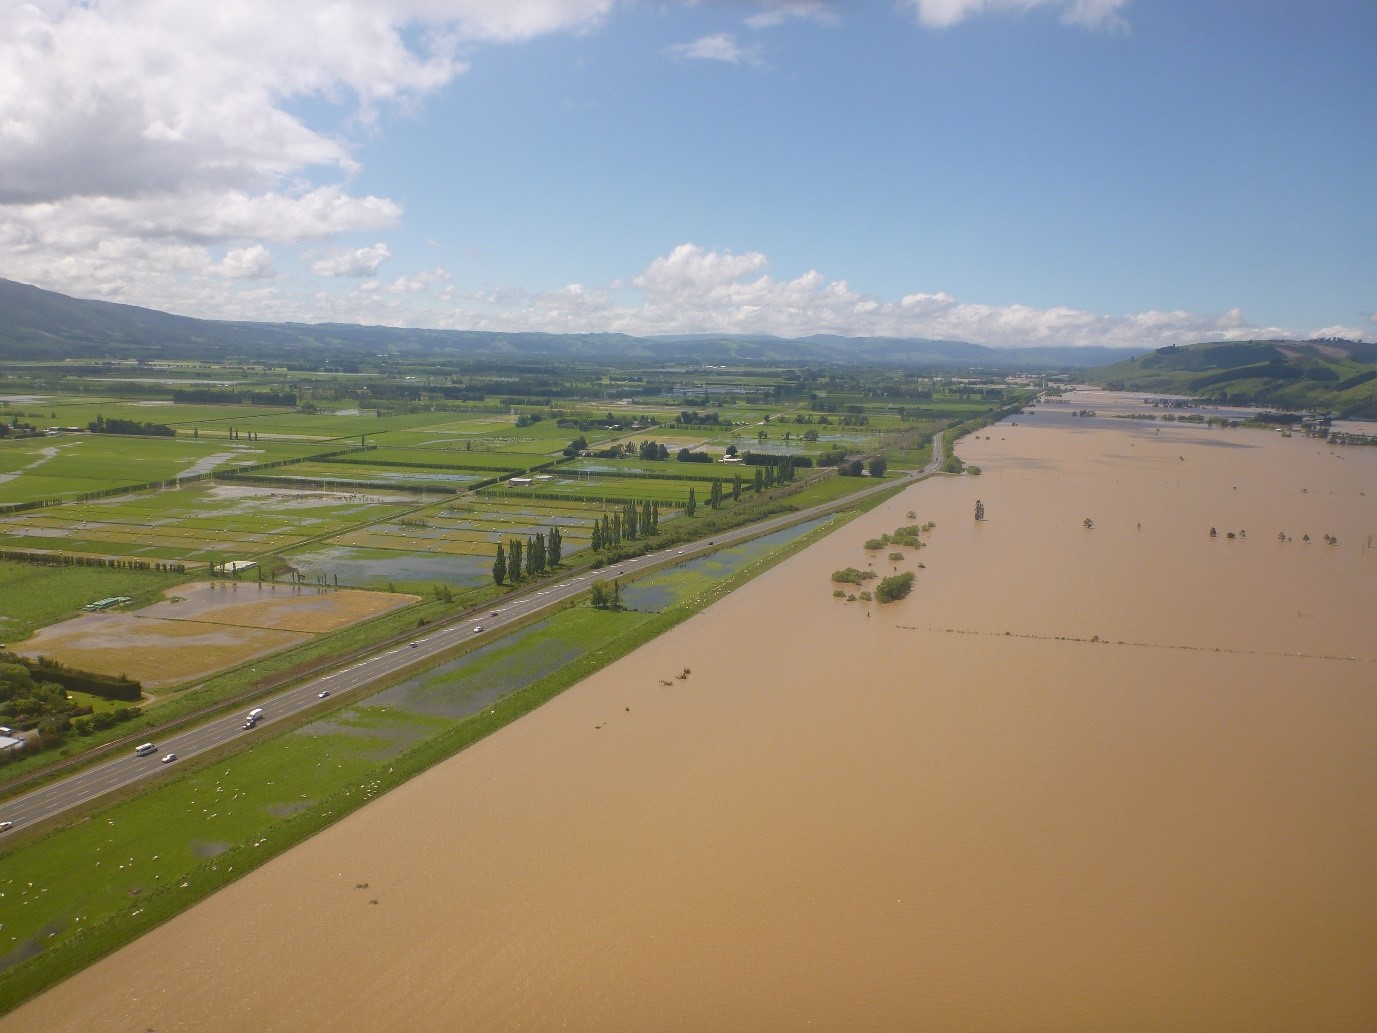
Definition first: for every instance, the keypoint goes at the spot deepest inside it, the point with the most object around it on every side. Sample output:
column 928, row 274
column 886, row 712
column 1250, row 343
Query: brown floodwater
column 1082, row 779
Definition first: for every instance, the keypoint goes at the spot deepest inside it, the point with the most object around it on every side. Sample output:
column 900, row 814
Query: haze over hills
column 38, row 324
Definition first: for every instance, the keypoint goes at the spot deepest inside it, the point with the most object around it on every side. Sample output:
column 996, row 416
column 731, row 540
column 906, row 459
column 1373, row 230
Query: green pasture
column 362, row 475
column 198, row 522
column 33, row 596
column 668, row 469
column 448, row 432
column 908, row 458
column 78, row 413
column 828, row 489
column 445, row 459
column 615, row 489
column 69, row 465
column 324, row 425
column 476, row 530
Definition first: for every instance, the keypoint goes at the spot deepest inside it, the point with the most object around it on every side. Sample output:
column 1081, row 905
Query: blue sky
column 1010, row 172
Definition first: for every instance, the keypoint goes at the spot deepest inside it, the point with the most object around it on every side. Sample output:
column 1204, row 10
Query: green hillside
column 1334, row 375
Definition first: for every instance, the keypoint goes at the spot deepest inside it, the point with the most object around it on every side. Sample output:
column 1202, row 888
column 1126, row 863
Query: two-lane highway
column 128, row 769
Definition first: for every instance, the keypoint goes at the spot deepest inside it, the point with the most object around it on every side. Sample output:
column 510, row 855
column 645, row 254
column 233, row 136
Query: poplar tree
column 499, row 565
column 556, row 546
column 759, row 479
column 597, row 537
column 692, row 505
column 514, row 558
column 736, row 487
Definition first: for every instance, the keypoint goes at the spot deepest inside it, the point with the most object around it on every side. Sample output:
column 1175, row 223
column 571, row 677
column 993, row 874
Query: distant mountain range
column 1335, row 375
column 37, row 324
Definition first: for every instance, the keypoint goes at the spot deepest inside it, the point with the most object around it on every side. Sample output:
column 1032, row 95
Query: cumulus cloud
column 721, row 46
column 248, row 263
column 698, row 290
column 1348, row 333
column 419, row 283
column 363, row 261
column 1091, row 14
column 150, row 130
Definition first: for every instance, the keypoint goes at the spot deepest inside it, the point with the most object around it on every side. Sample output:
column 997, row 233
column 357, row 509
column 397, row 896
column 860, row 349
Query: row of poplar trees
column 539, row 553
column 631, row 521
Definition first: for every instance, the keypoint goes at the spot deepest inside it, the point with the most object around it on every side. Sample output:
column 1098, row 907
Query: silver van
column 145, row 749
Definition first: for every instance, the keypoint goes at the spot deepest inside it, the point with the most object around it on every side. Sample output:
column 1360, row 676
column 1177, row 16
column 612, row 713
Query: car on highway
column 250, row 724
column 322, row 693
column 169, row 758
column 477, row 629
column 145, row 749
column 495, row 613
column 5, row 826
column 415, row 644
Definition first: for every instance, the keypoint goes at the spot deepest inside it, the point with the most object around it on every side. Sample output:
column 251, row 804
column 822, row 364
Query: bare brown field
column 205, row 627
column 283, row 607
column 1084, row 779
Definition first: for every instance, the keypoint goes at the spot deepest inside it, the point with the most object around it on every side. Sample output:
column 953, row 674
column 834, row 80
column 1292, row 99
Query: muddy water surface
column 1107, row 778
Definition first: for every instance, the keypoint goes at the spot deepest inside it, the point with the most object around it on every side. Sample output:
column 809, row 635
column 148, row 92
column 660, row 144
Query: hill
column 37, row 324
column 1335, row 375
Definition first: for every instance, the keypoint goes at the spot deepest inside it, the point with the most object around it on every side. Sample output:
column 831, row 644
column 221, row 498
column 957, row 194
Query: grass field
column 34, row 596
column 58, row 468
column 606, row 486
column 199, row 522
column 437, row 458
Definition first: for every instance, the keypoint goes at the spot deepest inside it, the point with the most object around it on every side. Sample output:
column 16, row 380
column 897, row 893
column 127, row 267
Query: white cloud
column 778, row 12
column 721, row 46
column 1092, row 14
column 363, row 261
column 248, row 263
column 696, row 290
column 418, row 284
column 136, row 133
column 1349, row 333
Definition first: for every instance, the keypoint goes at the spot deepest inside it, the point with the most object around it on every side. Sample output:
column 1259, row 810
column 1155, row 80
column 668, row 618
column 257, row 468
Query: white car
column 322, row 693
column 169, row 758
column 5, row 826
column 477, row 629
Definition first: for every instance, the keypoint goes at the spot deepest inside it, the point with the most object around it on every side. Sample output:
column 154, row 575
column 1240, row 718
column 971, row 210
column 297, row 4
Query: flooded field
column 1101, row 770
column 204, row 627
